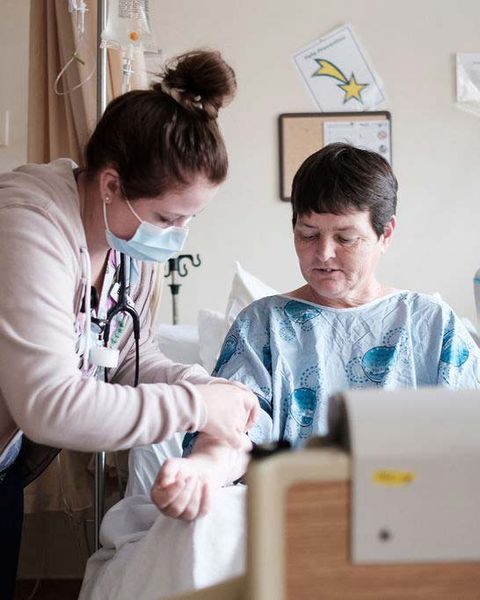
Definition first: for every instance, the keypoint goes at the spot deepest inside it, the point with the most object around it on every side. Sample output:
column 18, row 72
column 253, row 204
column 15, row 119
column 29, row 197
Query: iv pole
column 177, row 266
column 100, row 457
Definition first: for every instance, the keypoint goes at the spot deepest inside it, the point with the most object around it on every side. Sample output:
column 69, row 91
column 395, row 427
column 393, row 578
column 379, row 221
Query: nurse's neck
column 91, row 212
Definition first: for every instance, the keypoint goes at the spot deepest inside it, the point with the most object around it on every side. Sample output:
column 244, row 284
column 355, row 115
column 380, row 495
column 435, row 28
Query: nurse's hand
column 231, row 411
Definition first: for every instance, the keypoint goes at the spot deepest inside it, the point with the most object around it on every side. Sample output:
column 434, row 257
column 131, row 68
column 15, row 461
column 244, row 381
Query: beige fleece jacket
column 42, row 390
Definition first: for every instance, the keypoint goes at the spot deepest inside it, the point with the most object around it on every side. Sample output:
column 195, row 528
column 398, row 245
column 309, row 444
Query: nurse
column 155, row 159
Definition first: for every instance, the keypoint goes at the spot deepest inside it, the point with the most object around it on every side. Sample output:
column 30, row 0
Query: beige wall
column 436, row 146
column 14, row 78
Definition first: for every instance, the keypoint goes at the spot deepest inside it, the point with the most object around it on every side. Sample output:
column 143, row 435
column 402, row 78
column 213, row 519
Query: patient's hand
column 182, row 489
column 183, row 486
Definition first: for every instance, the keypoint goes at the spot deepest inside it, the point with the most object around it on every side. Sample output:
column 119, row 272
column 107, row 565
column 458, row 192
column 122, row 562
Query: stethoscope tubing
column 122, row 306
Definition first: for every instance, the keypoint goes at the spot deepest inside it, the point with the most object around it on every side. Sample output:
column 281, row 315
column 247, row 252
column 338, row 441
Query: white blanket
column 146, row 555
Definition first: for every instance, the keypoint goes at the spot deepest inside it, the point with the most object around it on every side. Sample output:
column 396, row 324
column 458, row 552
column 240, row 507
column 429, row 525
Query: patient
column 343, row 329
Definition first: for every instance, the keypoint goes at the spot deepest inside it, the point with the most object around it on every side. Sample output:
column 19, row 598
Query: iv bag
column 128, row 25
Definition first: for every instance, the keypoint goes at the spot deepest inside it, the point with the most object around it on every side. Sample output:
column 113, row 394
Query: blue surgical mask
column 149, row 242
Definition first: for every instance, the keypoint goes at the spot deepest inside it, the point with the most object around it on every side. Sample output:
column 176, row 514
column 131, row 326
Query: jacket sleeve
column 40, row 381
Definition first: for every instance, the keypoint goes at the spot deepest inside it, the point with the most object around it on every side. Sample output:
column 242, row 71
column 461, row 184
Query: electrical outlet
column 4, row 128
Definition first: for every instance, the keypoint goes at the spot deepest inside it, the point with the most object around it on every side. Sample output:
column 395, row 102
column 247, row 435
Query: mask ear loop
column 133, row 210
column 104, row 206
column 129, row 206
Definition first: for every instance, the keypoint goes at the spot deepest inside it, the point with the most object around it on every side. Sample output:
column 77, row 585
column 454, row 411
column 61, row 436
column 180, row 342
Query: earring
column 107, row 199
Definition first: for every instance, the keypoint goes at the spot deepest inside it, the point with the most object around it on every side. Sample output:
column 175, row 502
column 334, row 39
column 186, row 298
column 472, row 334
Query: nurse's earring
column 107, row 200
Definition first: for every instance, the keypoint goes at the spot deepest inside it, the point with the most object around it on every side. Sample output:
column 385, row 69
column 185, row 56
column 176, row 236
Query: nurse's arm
column 42, row 390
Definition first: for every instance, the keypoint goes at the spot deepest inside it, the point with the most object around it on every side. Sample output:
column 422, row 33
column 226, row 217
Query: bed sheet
column 148, row 556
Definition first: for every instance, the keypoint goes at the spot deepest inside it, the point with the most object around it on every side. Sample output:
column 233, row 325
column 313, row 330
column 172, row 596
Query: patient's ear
column 388, row 233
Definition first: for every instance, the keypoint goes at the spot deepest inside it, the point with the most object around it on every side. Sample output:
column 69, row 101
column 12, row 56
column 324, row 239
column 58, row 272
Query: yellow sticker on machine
column 393, row 477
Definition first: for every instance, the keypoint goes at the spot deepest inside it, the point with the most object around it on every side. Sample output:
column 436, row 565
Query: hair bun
column 201, row 81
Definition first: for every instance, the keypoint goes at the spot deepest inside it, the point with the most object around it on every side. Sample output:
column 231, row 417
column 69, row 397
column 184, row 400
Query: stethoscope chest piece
column 104, row 357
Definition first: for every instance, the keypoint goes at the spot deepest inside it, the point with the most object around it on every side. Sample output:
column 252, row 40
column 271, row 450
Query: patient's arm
column 183, row 486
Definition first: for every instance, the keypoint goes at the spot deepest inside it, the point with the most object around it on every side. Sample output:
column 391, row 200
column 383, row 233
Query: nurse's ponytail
column 201, row 82
column 162, row 138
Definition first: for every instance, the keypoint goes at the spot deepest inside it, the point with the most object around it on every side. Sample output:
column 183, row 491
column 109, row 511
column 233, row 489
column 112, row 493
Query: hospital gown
column 295, row 354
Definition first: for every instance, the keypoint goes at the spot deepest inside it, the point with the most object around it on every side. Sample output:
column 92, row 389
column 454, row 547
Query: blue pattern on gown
column 295, row 354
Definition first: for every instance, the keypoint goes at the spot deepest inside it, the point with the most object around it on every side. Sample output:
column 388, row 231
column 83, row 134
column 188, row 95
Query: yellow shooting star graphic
column 350, row 86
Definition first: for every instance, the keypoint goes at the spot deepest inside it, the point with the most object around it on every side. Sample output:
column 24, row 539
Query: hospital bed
column 311, row 512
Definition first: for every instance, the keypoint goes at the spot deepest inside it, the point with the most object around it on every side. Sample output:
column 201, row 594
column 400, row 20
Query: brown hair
column 161, row 138
column 339, row 179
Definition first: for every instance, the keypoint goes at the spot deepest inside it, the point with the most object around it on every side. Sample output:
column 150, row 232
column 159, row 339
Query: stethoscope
column 103, row 356
column 123, row 306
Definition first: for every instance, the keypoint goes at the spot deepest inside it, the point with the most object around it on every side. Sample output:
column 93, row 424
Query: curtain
column 59, row 125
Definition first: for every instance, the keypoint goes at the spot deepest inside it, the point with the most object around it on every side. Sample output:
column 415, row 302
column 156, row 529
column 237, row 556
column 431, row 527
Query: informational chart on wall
column 369, row 135
column 338, row 73
column 302, row 134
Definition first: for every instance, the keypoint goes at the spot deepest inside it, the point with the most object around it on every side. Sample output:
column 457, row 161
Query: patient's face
column 338, row 256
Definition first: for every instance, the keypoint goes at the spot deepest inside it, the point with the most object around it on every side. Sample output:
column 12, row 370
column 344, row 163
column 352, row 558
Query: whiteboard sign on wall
column 302, row 134
column 368, row 135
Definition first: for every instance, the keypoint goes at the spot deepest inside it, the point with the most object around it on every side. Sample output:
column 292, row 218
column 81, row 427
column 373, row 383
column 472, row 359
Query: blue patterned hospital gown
column 295, row 354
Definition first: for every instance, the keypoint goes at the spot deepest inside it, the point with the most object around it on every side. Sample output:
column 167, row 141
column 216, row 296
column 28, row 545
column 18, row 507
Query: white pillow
column 211, row 330
column 245, row 289
column 213, row 325
column 179, row 343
